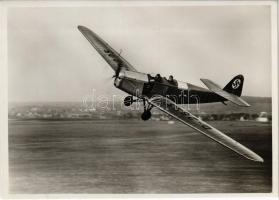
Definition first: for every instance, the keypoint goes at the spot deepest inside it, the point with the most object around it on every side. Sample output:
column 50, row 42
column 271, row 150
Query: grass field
column 131, row 156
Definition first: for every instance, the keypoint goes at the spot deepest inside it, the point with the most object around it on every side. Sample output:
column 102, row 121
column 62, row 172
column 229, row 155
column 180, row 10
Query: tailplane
column 235, row 85
column 231, row 92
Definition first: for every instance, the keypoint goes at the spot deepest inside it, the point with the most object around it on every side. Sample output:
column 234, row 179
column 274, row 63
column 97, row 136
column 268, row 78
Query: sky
column 50, row 60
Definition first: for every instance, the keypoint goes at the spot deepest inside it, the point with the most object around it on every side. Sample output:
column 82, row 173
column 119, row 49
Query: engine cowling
column 124, row 74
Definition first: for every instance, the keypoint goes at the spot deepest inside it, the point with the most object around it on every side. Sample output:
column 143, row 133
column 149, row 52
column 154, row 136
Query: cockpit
column 163, row 80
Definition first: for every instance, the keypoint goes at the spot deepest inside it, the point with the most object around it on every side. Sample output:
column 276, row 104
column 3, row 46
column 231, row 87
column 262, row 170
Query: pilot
column 170, row 78
column 158, row 77
column 172, row 81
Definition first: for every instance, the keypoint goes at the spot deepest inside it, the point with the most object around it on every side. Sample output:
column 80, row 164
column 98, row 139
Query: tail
column 231, row 92
column 235, row 85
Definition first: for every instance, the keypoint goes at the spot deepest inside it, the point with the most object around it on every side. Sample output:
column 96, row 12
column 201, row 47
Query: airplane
column 168, row 94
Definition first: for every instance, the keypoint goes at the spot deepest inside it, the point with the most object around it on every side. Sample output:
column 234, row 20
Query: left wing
column 172, row 109
column 113, row 58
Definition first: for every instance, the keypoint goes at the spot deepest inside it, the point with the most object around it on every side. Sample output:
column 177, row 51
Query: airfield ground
column 131, row 156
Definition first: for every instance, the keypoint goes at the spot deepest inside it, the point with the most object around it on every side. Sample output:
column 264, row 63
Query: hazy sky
column 50, row 60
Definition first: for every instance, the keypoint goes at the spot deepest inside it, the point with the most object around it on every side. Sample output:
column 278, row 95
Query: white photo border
column 4, row 172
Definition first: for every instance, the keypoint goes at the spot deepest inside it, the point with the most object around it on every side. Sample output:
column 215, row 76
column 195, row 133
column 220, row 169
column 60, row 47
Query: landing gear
column 146, row 115
column 128, row 100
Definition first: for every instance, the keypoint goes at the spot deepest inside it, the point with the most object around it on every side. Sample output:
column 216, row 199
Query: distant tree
column 254, row 116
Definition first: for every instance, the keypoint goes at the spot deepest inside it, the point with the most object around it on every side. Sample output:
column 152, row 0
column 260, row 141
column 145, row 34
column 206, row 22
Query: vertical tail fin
column 235, row 85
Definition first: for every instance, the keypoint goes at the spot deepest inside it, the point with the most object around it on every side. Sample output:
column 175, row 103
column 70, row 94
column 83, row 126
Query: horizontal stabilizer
column 218, row 90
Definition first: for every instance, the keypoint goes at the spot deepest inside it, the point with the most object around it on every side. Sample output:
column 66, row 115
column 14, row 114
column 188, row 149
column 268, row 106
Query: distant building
column 170, row 122
column 29, row 115
column 262, row 117
column 47, row 115
column 164, row 118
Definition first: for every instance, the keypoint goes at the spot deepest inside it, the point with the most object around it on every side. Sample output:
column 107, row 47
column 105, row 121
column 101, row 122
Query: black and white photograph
column 155, row 97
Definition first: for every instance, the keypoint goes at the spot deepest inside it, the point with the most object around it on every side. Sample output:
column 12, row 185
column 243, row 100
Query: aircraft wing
column 172, row 109
column 113, row 58
column 218, row 90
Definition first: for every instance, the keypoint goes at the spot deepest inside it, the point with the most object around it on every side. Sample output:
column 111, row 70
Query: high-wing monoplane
column 166, row 94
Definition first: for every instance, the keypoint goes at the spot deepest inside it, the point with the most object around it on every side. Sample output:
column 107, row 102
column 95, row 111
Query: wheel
column 146, row 115
column 128, row 100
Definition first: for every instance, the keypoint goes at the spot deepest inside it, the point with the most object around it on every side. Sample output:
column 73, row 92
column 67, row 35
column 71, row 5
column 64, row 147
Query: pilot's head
column 170, row 78
column 158, row 76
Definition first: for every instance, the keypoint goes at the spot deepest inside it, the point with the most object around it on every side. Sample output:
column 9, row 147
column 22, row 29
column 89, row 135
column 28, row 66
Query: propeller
column 115, row 75
column 119, row 63
column 120, row 66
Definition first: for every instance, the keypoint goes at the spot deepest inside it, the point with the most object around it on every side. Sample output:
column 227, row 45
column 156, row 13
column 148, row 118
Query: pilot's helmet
column 158, row 76
column 170, row 78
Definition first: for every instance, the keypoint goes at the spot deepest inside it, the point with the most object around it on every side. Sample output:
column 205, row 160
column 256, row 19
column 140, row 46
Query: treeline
column 232, row 116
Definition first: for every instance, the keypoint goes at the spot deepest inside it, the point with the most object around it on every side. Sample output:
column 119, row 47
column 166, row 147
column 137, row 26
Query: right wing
column 113, row 58
column 172, row 109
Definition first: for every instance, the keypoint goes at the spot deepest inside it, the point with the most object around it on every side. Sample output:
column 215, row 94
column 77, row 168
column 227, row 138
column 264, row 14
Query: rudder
column 235, row 85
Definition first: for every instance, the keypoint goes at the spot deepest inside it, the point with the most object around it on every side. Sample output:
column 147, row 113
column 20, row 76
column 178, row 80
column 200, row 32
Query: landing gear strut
column 146, row 115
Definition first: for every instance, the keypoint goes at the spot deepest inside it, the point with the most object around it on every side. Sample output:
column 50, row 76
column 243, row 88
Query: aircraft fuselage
column 144, row 85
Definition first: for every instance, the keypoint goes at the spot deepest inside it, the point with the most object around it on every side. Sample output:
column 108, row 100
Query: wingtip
column 246, row 104
column 261, row 159
column 257, row 158
column 81, row 28
column 203, row 80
